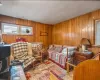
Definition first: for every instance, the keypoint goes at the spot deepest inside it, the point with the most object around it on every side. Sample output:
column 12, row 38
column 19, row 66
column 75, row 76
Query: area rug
column 42, row 72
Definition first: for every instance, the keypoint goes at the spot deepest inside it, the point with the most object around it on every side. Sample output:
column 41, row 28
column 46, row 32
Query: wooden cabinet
column 82, row 56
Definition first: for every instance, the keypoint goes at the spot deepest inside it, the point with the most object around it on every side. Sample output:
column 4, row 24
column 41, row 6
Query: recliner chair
column 22, row 51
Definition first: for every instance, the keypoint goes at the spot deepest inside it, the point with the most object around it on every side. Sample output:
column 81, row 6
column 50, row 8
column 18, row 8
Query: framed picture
column 43, row 33
column 25, row 30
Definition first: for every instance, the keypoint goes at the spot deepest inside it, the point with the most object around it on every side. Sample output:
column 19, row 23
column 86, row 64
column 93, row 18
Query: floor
column 42, row 69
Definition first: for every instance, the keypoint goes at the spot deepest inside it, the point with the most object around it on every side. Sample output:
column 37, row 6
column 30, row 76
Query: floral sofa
column 60, row 54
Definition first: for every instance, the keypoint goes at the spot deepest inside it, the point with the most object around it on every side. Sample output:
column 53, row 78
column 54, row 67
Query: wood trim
column 95, row 21
column 96, row 56
column 87, row 70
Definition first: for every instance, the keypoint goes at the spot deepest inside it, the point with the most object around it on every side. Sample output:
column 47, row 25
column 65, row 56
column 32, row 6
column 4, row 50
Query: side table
column 68, row 66
column 82, row 56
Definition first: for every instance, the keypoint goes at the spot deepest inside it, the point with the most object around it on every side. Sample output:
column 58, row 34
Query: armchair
column 22, row 51
column 37, row 52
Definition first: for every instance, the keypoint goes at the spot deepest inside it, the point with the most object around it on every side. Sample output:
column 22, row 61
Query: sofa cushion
column 71, row 49
column 57, row 45
column 64, row 51
column 58, row 49
column 68, row 51
column 51, row 47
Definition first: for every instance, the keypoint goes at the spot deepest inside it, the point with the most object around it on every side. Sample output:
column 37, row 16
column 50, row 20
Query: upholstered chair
column 37, row 52
column 22, row 51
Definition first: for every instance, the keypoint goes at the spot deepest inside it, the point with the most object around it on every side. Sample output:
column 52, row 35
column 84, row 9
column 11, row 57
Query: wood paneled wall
column 37, row 27
column 44, row 28
column 70, row 32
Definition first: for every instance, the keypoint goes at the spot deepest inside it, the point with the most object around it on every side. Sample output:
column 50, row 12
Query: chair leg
column 41, row 59
column 33, row 65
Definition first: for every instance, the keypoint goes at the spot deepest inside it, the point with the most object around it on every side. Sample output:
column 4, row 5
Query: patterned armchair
column 23, row 51
column 37, row 48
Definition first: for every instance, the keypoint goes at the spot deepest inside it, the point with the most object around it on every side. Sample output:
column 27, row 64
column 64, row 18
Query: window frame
column 26, row 33
column 9, row 24
column 95, row 33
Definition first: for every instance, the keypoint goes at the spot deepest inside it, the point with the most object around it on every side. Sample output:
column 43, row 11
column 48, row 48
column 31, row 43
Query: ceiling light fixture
column 1, row 4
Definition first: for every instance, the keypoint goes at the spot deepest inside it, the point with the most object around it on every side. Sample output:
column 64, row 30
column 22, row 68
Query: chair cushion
column 20, row 49
column 27, row 60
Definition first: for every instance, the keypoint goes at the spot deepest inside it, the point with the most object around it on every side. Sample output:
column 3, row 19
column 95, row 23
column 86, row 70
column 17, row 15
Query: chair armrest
column 11, row 58
column 30, row 53
column 21, row 61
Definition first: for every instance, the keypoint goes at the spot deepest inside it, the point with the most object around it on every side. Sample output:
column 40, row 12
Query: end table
column 68, row 66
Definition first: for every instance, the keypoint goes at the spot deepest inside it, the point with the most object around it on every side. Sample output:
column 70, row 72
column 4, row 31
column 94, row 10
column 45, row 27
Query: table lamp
column 85, row 43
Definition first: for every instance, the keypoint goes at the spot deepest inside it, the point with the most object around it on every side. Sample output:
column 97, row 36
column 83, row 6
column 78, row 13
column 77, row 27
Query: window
column 10, row 28
column 25, row 30
column 16, row 29
column 97, row 32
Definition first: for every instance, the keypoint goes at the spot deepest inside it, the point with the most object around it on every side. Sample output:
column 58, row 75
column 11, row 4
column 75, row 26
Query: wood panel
column 95, row 49
column 43, row 28
column 87, row 70
column 37, row 27
column 70, row 32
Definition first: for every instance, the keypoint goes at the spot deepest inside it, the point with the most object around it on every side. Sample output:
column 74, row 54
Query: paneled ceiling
column 47, row 11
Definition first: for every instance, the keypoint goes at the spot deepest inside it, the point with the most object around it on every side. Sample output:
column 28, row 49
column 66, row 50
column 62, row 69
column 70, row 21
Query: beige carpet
column 43, row 69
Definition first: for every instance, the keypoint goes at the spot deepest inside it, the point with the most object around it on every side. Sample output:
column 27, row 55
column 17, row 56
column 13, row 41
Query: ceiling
column 47, row 11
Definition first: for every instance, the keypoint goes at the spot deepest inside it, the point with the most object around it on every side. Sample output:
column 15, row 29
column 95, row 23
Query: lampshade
column 85, row 41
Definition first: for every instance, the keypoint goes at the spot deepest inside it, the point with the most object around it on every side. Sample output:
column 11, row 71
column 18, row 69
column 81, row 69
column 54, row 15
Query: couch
column 60, row 54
